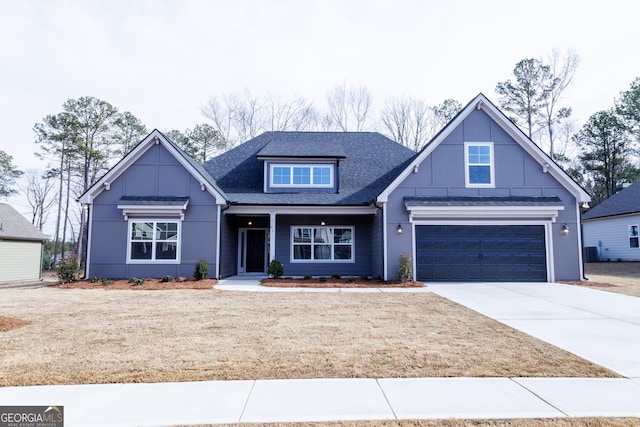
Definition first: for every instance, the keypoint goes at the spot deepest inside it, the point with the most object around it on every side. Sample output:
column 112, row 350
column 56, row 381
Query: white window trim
column 318, row 261
column 301, row 165
column 629, row 236
column 154, row 261
column 468, row 184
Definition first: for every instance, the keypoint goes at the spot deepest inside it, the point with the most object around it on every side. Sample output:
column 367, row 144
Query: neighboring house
column 612, row 226
column 20, row 247
column 481, row 202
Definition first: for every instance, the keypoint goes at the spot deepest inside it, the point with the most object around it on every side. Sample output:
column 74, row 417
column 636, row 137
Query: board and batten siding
column 24, row 257
column 610, row 236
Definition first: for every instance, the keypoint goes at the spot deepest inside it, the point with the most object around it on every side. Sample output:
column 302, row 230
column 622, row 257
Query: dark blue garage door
column 481, row 253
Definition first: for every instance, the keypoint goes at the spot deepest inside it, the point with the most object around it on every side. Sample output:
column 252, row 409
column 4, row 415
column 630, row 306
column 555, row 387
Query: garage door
column 481, row 253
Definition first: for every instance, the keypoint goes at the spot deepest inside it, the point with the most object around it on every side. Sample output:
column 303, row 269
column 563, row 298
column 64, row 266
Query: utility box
column 590, row 254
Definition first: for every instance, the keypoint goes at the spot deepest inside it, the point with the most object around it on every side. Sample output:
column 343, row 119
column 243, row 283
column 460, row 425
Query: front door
column 255, row 251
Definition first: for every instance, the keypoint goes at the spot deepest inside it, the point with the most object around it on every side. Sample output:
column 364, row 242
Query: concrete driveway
column 602, row 327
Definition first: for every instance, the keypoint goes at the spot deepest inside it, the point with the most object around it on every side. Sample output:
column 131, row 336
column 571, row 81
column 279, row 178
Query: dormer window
column 299, row 175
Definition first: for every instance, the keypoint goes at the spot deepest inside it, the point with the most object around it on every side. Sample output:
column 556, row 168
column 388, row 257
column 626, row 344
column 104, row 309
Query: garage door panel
column 481, row 253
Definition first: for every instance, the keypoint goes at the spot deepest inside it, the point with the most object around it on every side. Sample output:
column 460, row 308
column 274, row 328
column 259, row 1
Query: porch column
column 272, row 235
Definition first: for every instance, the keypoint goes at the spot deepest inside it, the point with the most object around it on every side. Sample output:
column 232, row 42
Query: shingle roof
column 294, row 148
column 14, row 226
column 371, row 161
column 483, row 201
column 626, row 201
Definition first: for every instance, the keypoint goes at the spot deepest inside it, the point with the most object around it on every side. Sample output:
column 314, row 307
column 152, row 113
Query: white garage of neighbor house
column 612, row 227
column 20, row 247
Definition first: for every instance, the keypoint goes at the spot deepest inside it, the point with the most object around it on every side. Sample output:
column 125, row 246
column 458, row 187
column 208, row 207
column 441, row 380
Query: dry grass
column 82, row 336
column 620, row 277
column 547, row 422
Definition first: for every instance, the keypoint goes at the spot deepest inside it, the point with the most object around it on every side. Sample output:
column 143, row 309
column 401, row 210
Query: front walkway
column 263, row 401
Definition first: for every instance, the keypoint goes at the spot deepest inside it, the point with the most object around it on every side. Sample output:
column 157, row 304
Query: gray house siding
column 516, row 174
column 363, row 245
column 228, row 246
column 155, row 173
column 377, row 246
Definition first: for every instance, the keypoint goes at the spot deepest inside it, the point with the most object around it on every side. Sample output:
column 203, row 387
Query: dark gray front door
column 255, row 251
column 481, row 253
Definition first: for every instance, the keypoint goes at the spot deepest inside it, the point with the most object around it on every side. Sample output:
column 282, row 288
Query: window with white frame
column 302, row 176
column 154, row 241
column 632, row 230
column 479, row 166
column 322, row 244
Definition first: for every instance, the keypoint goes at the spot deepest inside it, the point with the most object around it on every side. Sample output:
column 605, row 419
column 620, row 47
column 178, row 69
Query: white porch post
column 272, row 236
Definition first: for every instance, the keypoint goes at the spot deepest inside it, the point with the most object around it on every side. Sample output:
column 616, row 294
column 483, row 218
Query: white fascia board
column 604, row 218
column 536, row 152
column 426, row 152
column 154, row 137
column 302, row 210
column 543, row 212
column 153, row 210
column 481, row 102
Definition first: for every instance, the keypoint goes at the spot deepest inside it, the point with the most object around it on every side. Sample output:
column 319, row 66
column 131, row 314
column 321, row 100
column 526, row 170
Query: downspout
column 218, row 237
column 384, row 238
column 89, row 225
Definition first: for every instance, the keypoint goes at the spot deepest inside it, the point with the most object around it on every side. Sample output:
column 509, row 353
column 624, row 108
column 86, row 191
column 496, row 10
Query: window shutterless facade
column 153, row 241
column 319, row 176
column 322, row 244
column 479, row 165
column 632, row 230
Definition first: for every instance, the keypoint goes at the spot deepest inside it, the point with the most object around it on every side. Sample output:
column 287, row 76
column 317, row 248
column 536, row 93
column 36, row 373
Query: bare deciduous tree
column 408, row 121
column 39, row 189
column 349, row 107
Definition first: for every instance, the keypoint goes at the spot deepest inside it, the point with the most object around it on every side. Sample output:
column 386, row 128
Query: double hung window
column 154, row 241
column 322, row 244
column 632, row 230
column 479, row 166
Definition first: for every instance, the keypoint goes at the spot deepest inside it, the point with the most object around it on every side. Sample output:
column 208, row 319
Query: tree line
column 90, row 135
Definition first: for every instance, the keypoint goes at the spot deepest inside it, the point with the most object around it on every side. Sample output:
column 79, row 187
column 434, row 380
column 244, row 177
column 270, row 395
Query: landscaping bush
column 106, row 282
column 351, row 279
column 67, row 269
column 202, row 269
column 322, row 279
column 276, row 269
column 335, row 276
column 307, row 277
column 404, row 269
column 137, row 281
column 166, row 279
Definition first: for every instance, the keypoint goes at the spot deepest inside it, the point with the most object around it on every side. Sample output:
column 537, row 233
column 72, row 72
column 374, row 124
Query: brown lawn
column 550, row 422
column 620, row 277
column 79, row 336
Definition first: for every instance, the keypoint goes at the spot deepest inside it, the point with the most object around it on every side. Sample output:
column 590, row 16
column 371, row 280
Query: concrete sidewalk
column 212, row 402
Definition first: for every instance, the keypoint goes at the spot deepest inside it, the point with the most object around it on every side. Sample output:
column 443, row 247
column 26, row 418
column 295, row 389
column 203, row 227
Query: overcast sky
column 162, row 60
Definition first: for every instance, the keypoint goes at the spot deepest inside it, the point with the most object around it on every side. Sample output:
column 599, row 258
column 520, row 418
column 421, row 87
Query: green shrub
column 106, row 282
column 202, row 269
column 94, row 279
column 404, row 269
column 364, row 277
column 276, row 269
column 335, row 276
column 137, row 281
column 351, row 279
column 322, row 279
column 67, row 269
column 167, row 279
column 307, row 277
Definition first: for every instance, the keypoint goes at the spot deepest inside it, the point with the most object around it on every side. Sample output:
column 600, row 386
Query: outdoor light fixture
column 250, row 222
column 565, row 229
column 399, row 229
column 322, row 223
column 585, row 205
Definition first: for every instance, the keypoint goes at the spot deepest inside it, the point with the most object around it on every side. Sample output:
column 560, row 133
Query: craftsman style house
column 481, row 202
